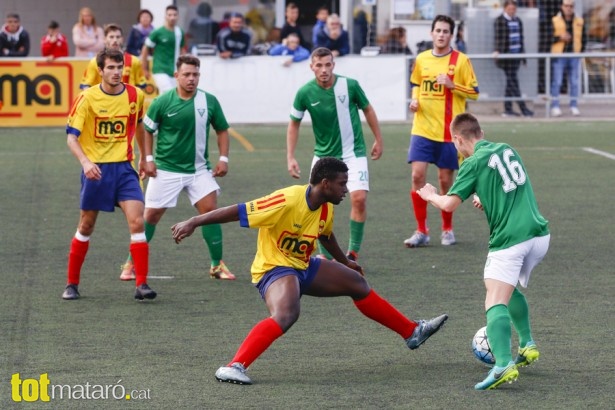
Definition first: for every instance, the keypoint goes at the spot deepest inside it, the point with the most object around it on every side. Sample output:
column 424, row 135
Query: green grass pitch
column 333, row 357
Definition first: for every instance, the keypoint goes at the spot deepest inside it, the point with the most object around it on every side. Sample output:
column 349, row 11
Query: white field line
column 598, row 152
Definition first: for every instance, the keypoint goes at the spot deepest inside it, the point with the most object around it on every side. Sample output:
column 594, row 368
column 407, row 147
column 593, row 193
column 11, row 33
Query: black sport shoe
column 144, row 292
column 527, row 113
column 70, row 293
column 424, row 330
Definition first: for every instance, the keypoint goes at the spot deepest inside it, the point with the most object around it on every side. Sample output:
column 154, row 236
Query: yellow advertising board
column 38, row 93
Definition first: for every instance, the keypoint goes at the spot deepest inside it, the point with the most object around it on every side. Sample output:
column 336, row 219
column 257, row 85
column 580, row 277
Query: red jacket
column 58, row 48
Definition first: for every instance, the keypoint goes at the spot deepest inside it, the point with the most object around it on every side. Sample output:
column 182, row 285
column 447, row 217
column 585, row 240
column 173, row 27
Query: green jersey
column 495, row 172
column 335, row 117
column 183, row 130
column 167, row 46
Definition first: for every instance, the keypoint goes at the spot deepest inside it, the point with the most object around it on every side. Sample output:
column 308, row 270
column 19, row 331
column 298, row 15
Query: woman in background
column 88, row 37
column 139, row 32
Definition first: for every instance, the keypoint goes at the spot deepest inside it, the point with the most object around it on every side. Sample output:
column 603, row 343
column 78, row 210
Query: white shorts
column 514, row 265
column 164, row 82
column 163, row 190
column 358, row 176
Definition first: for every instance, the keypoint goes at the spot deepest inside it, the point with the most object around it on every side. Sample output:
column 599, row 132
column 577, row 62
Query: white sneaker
column 556, row 112
column 416, row 240
column 575, row 111
column 235, row 373
column 448, row 238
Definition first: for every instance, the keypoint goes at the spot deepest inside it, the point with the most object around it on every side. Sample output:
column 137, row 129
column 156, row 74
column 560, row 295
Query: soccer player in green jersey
column 182, row 119
column 519, row 239
column 333, row 102
column 166, row 44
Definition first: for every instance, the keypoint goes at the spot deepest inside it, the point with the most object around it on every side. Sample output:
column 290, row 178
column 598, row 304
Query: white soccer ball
column 481, row 348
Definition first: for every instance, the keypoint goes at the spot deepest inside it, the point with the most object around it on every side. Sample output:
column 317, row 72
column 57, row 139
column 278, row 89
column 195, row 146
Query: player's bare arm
column 185, row 228
column 445, row 80
column 372, row 121
column 139, row 137
column 90, row 169
column 331, row 245
column 446, row 203
column 148, row 146
column 144, row 62
column 414, row 105
column 292, row 136
column 221, row 168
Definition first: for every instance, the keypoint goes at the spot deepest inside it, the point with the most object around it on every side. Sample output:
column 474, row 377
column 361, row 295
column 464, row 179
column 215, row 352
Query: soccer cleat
column 499, row 375
column 70, row 293
column 424, row 330
column 556, row 112
column 221, row 272
column 235, row 373
column 575, row 111
column 128, row 271
column 527, row 355
column 144, row 292
column 352, row 256
column 448, row 238
column 416, row 240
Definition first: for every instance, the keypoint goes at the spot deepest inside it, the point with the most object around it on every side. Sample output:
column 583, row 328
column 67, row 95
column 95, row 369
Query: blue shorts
column 305, row 276
column 442, row 154
column 119, row 182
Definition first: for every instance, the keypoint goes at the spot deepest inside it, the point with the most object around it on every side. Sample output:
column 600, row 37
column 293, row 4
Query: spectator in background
column 139, row 32
column 54, row 44
column 14, row 40
column 360, row 30
column 88, row 37
column 290, row 26
column 235, row 40
column 568, row 37
column 292, row 48
column 396, row 42
column 509, row 40
column 202, row 29
column 333, row 37
column 321, row 20
column 460, row 41
column 165, row 43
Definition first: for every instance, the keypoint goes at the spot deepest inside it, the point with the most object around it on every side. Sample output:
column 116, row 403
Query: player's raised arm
column 292, row 136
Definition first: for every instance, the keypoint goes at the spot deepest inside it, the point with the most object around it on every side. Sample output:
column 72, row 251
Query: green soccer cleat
column 499, row 375
column 527, row 355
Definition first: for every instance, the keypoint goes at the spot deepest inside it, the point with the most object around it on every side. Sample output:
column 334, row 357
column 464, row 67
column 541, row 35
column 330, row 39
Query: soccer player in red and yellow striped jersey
column 442, row 80
column 289, row 222
column 103, row 124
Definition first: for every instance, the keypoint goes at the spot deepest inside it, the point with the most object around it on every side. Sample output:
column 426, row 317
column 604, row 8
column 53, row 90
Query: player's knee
column 286, row 318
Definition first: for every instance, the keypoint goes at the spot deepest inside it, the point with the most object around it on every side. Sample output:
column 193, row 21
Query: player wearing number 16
column 519, row 239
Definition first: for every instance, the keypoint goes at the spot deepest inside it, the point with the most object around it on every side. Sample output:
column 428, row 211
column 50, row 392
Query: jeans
column 571, row 66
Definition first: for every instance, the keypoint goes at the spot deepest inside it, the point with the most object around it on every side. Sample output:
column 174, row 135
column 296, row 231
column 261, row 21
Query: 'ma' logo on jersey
column 107, row 128
column 293, row 245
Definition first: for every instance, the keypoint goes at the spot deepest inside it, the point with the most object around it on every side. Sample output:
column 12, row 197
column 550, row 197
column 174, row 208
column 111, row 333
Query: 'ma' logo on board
column 35, row 86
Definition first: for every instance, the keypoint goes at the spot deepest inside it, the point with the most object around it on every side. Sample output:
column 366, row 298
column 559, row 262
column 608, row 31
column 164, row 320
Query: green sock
column 499, row 333
column 356, row 235
column 149, row 234
column 323, row 251
column 520, row 316
column 212, row 234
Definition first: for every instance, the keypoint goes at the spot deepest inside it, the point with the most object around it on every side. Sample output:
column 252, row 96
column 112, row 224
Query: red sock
column 257, row 341
column 420, row 211
column 378, row 309
column 76, row 256
column 447, row 221
column 140, row 256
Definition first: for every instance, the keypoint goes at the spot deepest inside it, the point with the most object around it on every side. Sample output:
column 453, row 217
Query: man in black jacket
column 14, row 40
column 509, row 40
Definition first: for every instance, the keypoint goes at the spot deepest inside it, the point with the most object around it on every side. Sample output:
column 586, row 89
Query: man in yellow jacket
column 568, row 37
